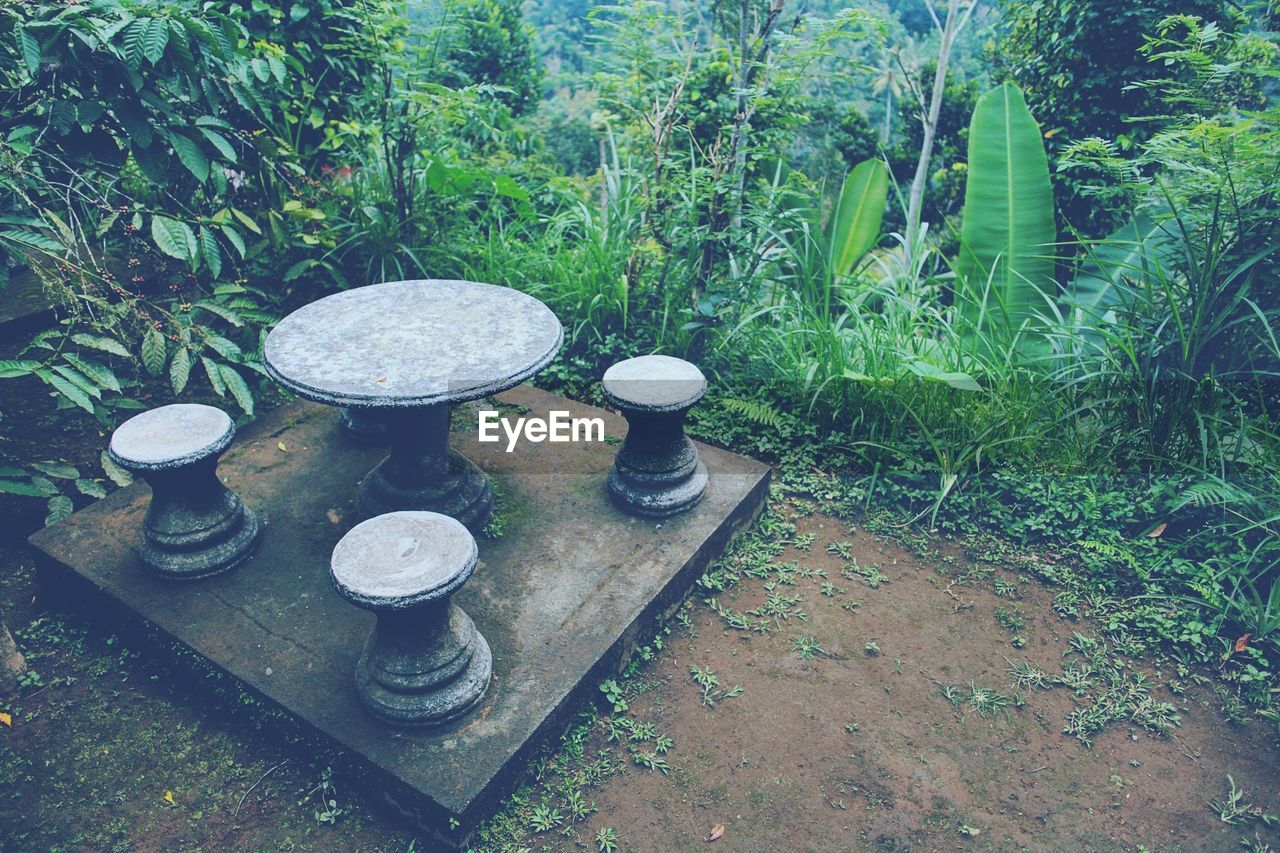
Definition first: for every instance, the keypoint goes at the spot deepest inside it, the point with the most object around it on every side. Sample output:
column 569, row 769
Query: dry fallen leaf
column 168, row 797
column 7, row 719
column 333, row 515
column 1243, row 642
column 715, row 833
column 283, row 449
column 1157, row 530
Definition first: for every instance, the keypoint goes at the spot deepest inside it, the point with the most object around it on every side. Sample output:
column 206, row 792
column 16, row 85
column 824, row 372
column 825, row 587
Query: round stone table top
column 403, row 559
column 412, row 343
column 171, row 436
column 654, row 383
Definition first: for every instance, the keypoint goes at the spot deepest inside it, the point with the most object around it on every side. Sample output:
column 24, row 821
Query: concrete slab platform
column 562, row 595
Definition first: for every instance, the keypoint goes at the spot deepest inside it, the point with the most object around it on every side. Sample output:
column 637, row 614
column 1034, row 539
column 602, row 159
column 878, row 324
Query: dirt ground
column 852, row 750
column 886, row 718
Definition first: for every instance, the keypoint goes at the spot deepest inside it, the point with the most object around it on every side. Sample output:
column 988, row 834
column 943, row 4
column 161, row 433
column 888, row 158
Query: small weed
column 1004, row 589
column 615, row 695
column 871, row 647
column 709, row 682
column 545, row 818
column 985, row 701
column 808, row 647
column 1012, row 621
column 329, row 811
column 843, row 550
column 651, row 761
column 1028, row 675
column 1234, row 810
column 607, row 840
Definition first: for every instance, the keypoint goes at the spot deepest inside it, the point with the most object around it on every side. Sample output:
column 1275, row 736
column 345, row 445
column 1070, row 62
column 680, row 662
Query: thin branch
column 256, row 784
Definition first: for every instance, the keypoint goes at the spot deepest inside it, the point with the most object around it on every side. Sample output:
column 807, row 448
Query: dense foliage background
column 1009, row 264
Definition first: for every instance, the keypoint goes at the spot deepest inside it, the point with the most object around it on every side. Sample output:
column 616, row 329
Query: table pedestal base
column 462, row 493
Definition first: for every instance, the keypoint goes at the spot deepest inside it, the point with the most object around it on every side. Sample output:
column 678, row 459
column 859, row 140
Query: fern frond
column 1212, row 493
column 754, row 410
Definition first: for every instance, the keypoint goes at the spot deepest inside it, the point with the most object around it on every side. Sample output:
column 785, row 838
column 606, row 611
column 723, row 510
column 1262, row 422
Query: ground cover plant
column 1002, row 272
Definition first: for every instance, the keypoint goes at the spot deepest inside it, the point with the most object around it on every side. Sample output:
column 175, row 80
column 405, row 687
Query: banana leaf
column 855, row 223
column 1007, row 257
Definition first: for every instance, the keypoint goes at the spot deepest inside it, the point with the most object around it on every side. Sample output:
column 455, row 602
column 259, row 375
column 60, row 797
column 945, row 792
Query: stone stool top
column 171, row 436
column 654, row 383
column 403, row 559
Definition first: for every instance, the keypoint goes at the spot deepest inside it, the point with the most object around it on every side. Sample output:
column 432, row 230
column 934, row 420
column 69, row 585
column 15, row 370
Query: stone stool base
column 364, row 426
column 443, row 704
column 464, row 493
column 658, row 501
column 208, row 558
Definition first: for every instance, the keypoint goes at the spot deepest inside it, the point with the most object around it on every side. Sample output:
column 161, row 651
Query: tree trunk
column 888, row 114
column 929, row 117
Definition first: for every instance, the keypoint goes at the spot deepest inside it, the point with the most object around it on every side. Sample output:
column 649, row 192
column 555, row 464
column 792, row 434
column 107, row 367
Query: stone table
column 407, row 351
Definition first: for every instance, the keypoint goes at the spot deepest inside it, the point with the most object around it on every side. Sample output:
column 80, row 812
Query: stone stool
column 424, row 663
column 364, row 425
column 195, row 526
column 657, row 473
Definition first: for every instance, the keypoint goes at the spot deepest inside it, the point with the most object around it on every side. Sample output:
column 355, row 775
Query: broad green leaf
column 101, row 375
column 10, row 369
column 98, row 342
column 174, row 238
column 78, row 379
column 238, row 388
column 92, row 488
column 59, row 508
column 180, row 369
column 31, row 239
column 222, row 346
column 30, row 48
column 930, row 371
column 298, row 268
column 154, row 39
column 58, row 470
column 246, row 221
column 71, row 392
column 1006, row 259
column 114, row 472
column 234, row 238
column 26, row 490
column 855, row 224
column 188, row 151
column 210, row 251
column 221, row 311
column 878, row 381
column 215, row 375
column 1126, row 253
column 218, row 141
column 133, row 41
column 154, row 351
column 44, row 484
column 277, row 68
